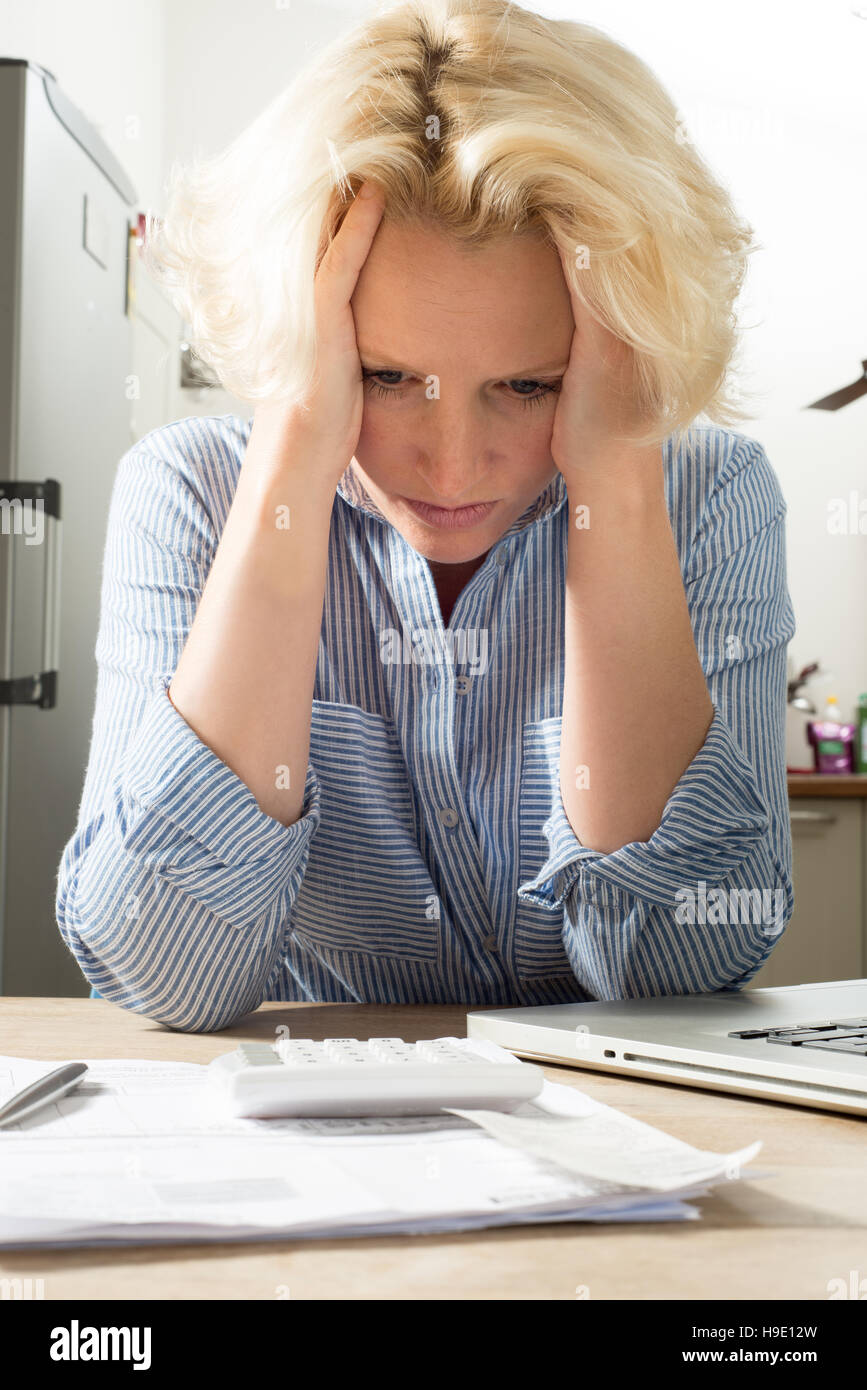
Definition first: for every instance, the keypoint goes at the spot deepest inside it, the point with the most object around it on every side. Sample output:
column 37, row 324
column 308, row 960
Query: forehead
column 420, row 289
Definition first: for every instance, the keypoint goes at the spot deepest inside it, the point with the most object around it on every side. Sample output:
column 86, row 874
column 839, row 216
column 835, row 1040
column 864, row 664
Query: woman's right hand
column 324, row 428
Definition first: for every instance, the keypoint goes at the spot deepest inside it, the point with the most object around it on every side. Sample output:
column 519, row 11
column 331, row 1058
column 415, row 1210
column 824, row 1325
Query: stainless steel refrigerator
column 66, row 215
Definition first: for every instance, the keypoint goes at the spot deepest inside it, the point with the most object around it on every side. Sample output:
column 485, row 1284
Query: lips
column 450, row 518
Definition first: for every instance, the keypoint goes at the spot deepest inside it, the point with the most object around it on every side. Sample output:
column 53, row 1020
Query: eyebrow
column 555, row 367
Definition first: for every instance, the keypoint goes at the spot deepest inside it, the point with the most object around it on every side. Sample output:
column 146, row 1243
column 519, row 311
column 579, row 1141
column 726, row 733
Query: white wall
column 773, row 93
column 224, row 61
column 108, row 56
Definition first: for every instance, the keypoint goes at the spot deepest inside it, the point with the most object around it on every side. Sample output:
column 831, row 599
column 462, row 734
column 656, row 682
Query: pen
column 40, row 1092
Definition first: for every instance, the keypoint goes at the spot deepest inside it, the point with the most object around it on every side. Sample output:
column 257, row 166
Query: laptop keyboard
column 845, row 1035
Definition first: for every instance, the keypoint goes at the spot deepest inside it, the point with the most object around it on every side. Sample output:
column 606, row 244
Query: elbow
column 176, row 1015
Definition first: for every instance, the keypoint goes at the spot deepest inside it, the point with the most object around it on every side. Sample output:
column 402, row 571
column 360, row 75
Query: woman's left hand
column 596, row 404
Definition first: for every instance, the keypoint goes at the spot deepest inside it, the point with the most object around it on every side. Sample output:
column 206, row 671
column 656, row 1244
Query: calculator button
column 346, row 1050
column 435, row 1051
column 297, row 1052
column 392, row 1049
column 258, row 1055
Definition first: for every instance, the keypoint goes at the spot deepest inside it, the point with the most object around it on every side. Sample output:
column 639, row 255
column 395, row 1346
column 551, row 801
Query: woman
column 458, row 673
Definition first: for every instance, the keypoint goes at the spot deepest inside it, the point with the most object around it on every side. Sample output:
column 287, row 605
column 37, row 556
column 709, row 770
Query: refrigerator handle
column 41, row 689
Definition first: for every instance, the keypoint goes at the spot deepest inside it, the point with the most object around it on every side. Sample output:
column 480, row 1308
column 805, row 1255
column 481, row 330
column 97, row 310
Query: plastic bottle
column 833, row 739
column 861, row 735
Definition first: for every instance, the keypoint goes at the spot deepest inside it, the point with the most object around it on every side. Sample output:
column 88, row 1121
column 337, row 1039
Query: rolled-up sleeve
column 174, row 892
column 701, row 904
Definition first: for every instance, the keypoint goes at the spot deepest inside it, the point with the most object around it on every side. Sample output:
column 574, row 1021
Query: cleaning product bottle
column 833, row 740
column 861, row 739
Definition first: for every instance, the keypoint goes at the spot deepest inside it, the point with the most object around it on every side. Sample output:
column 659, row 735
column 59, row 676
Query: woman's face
column 461, row 349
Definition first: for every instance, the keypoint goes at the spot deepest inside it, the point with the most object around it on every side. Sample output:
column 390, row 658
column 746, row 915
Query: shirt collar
column 550, row 500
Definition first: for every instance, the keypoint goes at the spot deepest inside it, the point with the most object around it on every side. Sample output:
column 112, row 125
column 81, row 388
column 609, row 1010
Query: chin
column 450, row 548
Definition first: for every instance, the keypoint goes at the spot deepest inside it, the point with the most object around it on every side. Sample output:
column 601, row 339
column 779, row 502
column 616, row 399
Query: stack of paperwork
column 141, row 1152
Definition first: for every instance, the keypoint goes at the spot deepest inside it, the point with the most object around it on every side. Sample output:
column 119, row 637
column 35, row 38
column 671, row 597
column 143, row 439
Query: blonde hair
column 490, row 120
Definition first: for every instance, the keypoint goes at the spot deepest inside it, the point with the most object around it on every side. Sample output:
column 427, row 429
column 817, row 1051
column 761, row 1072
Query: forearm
column 244, row 681
column 636, row 707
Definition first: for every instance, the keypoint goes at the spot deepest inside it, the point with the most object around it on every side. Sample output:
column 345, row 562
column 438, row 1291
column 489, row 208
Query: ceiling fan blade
column 844, row 396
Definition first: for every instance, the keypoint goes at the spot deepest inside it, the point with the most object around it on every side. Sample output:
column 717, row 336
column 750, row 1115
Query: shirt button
column 448, row 816
column 501, row 557
column 490, row 943
column 462, row 685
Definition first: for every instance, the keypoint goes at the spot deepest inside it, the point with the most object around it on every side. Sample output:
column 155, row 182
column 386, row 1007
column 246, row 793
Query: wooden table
column 783, row 1237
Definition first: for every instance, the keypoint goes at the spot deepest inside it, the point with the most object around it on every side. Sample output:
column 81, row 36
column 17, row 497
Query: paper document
column 142, row 1152
column 612, row 1146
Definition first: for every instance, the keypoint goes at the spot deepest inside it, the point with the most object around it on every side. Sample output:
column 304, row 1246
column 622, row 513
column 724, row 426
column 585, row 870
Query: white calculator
column 383, row 1076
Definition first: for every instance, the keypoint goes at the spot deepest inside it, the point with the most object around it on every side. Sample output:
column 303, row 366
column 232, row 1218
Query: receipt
column 611, row 1146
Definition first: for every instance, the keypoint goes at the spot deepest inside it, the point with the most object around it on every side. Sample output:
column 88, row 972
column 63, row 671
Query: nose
column 455, row 450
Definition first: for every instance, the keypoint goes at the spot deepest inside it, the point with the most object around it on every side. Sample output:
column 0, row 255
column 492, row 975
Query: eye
column 389, row 388
column 539, row 390
column 385, row 381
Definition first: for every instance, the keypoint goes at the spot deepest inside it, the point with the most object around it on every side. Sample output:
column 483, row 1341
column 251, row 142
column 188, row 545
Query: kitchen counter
column 827, row 784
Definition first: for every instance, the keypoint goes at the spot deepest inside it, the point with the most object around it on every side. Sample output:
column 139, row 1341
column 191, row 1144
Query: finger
column 341, row 265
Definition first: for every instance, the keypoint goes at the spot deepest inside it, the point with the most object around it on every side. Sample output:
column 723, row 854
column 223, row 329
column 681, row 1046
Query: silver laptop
column 806, row 1044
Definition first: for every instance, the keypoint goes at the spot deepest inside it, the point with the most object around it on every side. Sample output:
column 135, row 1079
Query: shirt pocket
column 539, row 949
column 366, row 887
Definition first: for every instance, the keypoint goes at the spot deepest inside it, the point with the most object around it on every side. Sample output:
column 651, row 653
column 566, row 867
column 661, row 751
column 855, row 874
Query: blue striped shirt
column 433, row 861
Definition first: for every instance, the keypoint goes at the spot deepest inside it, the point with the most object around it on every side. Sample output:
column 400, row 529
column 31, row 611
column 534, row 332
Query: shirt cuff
column 185, row 813
column 710, row 823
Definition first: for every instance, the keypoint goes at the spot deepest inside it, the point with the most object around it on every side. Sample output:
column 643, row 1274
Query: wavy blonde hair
column 491, row 120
